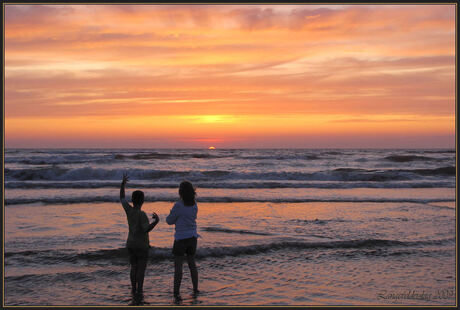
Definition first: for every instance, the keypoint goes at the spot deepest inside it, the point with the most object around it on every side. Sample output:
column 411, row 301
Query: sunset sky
column 230, row 76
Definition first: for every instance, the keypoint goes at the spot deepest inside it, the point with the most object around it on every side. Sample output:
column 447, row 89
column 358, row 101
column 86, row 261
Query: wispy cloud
column 255, row 61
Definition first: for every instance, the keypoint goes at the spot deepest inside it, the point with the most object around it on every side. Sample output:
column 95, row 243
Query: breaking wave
column 204, row 252
column 221, row 199
column 56, row 173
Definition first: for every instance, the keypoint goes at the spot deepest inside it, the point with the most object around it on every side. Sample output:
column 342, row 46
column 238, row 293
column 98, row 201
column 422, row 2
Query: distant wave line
column 231, row 185
column 114, row 199
column 56, row 173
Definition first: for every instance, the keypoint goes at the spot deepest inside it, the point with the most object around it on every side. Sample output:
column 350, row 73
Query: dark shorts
column 137, row 255
column 185, row 246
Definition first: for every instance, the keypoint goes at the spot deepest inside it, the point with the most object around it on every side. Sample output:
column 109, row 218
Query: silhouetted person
column 138, row 238
column 183, row 215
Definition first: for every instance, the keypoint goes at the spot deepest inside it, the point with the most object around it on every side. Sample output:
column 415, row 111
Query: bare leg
column 178, row 261
column 132, row 276
column 193, row 272
column 140, row 273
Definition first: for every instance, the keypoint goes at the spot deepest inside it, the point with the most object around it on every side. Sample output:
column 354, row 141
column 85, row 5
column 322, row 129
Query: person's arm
column 123, row 201
column 149, row 227
column 172, row 217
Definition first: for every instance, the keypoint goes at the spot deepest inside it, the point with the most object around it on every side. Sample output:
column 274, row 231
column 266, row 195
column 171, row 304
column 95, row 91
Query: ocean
column 277, row 226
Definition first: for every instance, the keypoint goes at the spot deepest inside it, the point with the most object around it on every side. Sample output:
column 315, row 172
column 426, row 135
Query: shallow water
column 320, row 241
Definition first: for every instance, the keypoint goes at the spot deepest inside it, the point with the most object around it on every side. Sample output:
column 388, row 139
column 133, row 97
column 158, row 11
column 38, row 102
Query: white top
column 185, row 219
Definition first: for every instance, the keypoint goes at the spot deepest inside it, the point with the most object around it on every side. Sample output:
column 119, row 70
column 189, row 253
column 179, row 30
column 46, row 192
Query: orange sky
column 230, row 75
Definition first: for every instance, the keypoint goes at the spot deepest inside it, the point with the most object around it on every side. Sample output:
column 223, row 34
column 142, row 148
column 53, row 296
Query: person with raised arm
column 138, row 243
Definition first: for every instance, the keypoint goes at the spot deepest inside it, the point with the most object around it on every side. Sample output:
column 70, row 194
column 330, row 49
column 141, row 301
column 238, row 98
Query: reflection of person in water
column 138, row 238
column 183, row 215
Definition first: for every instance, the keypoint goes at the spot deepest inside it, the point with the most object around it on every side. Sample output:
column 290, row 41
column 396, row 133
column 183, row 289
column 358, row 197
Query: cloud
column 32, row 15
column 107, row 61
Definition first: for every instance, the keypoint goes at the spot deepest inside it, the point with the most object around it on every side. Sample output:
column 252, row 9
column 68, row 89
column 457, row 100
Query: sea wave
column 57, row 160
column 56, row 173
column 440, row 151
column 408, row 158
column 317, row 221
column 282, row 157
column 218, row 199
column 70, row 156
column 80, row 276
column 204, row 252
column 234, row 231
column 42, row 184
column 156, row 155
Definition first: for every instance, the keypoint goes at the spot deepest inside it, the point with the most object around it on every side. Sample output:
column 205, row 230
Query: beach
column 277, row 227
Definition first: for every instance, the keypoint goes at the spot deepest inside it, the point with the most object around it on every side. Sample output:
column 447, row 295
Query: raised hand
column 125, row 178
column 122, row 186
column 155, row 217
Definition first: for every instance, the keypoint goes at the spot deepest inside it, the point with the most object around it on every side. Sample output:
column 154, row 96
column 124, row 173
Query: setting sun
column 250, row 77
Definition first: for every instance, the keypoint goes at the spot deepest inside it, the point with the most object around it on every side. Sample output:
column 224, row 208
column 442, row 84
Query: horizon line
column 229, row 148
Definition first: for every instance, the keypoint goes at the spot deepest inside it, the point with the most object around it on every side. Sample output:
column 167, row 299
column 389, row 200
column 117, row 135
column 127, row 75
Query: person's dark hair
column 138, row 198
column 187, row 193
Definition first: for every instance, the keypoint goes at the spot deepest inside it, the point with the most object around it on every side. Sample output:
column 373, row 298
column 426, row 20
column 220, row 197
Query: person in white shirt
column 138, row 237
column 183, row 215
